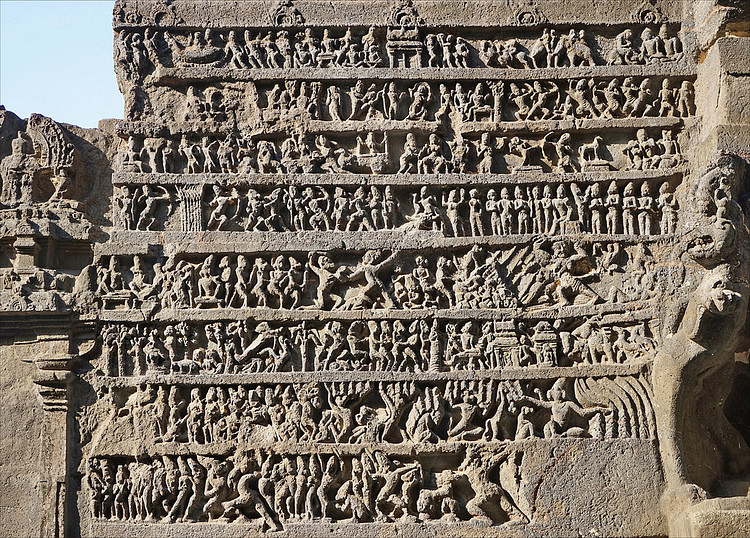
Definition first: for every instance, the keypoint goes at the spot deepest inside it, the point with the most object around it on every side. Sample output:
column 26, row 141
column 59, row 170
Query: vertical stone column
column 53, row 379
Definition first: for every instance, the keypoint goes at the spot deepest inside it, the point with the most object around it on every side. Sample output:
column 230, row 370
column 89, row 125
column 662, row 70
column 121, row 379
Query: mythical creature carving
column 693, row 370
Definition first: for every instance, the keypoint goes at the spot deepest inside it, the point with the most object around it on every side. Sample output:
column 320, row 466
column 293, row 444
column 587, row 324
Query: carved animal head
column 718, row 293
column 716, row 217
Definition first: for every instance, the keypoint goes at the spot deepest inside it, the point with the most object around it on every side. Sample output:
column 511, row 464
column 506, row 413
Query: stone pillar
column 53, row 379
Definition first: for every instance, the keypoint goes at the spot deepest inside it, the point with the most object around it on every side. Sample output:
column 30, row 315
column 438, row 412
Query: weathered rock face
column 365, row 268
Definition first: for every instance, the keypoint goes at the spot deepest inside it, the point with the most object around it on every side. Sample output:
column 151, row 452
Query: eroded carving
column 391, row 269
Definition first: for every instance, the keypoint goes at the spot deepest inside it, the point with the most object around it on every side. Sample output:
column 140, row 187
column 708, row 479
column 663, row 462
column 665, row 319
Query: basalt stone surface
column 386, row 269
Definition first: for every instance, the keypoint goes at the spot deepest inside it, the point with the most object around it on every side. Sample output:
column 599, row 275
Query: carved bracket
column 53, row 378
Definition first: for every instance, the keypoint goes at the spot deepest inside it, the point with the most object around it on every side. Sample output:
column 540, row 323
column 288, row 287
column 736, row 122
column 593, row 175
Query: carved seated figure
column 435, row 503
column 563, row 412
column 624, row 51
column 431, row 157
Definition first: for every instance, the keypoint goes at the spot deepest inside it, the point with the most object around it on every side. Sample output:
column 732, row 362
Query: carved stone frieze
column 143, row 53
column 595, row 205
column 388, row 268
column 423, row 344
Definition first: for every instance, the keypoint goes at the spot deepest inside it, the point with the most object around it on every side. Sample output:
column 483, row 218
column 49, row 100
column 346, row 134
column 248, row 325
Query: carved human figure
column 17, row 172
column 685, row 99
column 446, row 104
column 476, row 213
column 596, row 210
column 563, row 412
column 392, row 99
column 629, row 209
column 96, row 484
column 391, row 208
column 454, row 206
column 645, row 210
column 652, row 46
column 250, row 498
column 149, row 200
column 529, row 154
column 670, row 151
column 461, row 152
column 624, row 52
column 409, row 156
column 671, row 44
column 328, row 276
column 564, row 153
column 431, row 157
column 667, row 204
column 570, row 282
column 613, row 204
column 421, row 97
column 489, row 496
column 507, row 211
column 492, row 207
column 547, row 210
column 563, row 211
column 375, row 290
column 610, row 99
column 520, row 98
column 667, row 105
column 427, row 214
column 485, row 154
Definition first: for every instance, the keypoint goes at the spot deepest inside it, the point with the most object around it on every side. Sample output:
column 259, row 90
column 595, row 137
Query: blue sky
column 56, row 59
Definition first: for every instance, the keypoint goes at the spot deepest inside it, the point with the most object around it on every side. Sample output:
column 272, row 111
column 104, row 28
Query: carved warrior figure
column 43, row 167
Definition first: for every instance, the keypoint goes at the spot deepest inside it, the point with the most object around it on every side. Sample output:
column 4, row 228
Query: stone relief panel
column 449, row 239
column 407, row 268
column 367, row 412
column 559, row 273
column 281, row 487
column 603, row 207
column 433, row 103
column 381, row 153
column 143, row 53
column 408, row 345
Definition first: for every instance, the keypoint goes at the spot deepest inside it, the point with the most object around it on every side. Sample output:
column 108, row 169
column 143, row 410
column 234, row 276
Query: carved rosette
column 649, row 13
column 286, row 14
